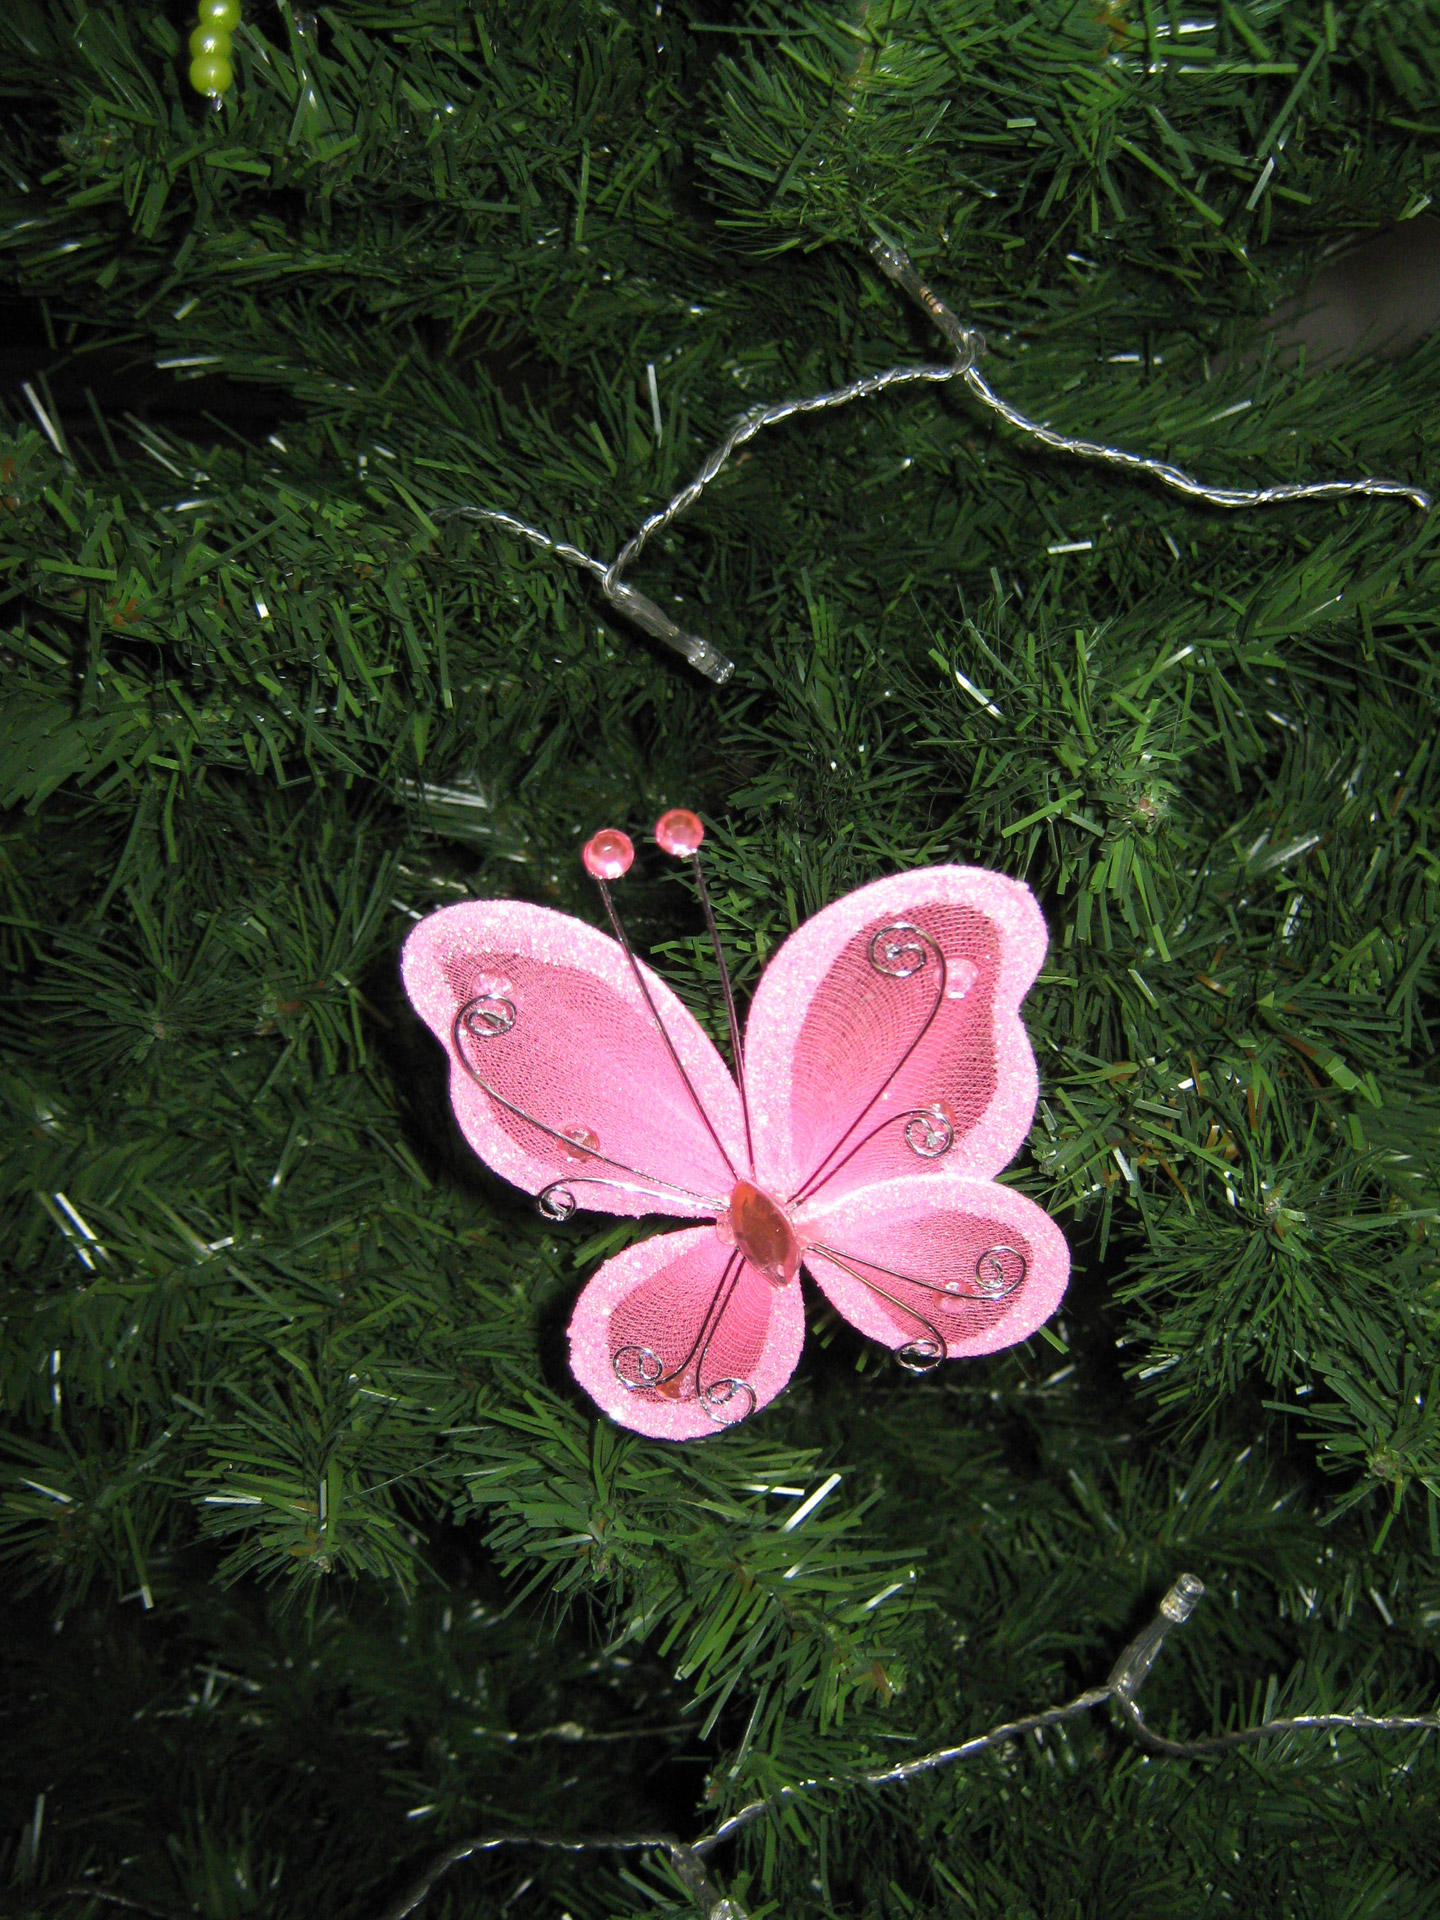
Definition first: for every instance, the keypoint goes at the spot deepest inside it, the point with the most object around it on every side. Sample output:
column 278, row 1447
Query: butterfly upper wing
column 865, row 1059
column 937, row 1267
column 678, row 1337
column 557, row 1071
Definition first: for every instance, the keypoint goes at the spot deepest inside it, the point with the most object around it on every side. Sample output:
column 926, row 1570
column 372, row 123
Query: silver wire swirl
column 990, row 1275
column 899, row 952
column 916, row 1356
column 638, row 1368
column 924, row 1355
column 929, row 1131
column 487, row 1016
column 713, row 1406
column 555, row 1202
column 558, row 1202
column 648, row 1368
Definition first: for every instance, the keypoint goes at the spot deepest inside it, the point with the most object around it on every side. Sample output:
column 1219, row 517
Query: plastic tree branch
column 1124, row 1682
column 969, row 345
column 82, row 1890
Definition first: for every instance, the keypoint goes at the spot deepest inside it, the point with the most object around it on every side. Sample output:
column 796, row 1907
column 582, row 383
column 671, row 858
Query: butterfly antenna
column 609, row 855
column 680, row 833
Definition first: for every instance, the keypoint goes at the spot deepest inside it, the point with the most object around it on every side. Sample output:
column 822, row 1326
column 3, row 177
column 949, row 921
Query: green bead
column 221, row 16
column 209, row 40
column 211, row 73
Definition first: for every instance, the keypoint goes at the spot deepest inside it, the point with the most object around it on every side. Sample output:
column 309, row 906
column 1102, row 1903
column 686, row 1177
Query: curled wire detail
column 920, row 1355
column 555, row 1202
column 724, row 1401
column 994, row 1277
column 929, row 1131
column 923, row 1355
column 558, row 1201
column 999, row 1272
column 719, row 1398
column 895, row 956
column 487, row 1016
column 637, row 1367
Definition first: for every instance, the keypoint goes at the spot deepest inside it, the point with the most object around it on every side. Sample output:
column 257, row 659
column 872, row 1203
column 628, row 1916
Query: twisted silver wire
column 512, row 523
column 895, row 264
column 749, row 424
column 637, row 606
column 1176, row 477
column 969, row 345
column 709, row 1396
column 634, row 605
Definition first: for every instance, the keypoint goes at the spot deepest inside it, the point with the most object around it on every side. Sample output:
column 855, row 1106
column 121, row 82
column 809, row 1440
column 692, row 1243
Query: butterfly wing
column 678, row 1337
column 936, row 1266
column 559, row 1078
column 885, row 1036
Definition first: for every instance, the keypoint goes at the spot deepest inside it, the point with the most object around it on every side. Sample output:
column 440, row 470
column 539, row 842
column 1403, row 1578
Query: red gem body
column 763, row 1233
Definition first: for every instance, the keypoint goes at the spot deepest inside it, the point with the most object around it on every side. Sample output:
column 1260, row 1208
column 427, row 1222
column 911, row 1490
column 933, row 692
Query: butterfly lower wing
column 936, row 1268
column 885, row 1035
column 558, row 1076
column 678, row 1337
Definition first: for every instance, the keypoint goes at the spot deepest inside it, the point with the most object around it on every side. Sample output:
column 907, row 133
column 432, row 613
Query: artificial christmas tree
column 324, row 1579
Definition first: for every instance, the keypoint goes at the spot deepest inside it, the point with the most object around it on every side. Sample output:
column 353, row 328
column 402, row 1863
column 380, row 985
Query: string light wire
column 1125, row 1680
column 689, row 1858
column 969, row 346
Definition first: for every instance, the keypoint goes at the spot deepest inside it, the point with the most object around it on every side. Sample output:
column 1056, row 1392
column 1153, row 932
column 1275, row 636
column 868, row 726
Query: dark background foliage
column 316, row 1559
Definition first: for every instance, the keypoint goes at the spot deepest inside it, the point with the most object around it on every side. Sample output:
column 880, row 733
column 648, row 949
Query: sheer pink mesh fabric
column 888, row 1073
column 859, row 1026
column 836, row 1013
column 974, row 1263
column 559, row 1030
column 650, row 1342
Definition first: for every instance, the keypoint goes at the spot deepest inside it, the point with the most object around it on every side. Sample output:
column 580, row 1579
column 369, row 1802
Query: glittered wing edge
column 793, row 977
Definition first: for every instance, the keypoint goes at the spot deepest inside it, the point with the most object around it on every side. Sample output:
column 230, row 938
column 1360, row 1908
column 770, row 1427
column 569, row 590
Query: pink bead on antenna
column 679, row 832
column 608, row 855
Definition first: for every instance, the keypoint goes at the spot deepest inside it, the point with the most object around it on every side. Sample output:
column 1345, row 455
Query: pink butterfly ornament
column 883, row 1079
